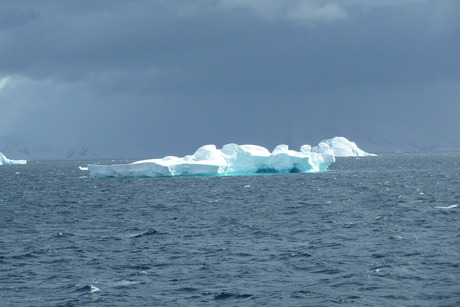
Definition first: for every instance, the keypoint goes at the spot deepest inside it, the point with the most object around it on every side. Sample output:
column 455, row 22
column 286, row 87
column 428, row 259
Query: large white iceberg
column 342, row 147
column 4, row 160
column 232, row 159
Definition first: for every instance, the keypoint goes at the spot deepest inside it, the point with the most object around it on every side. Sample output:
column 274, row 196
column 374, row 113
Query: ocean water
column 374, row 231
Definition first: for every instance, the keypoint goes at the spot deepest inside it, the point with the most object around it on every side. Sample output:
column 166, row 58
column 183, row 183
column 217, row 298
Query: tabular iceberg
column 342, row 147
column 4, row 160
column 232, row 159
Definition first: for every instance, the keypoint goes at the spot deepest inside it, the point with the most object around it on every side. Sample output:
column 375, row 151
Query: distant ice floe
column 235, row 159
column 4, row 160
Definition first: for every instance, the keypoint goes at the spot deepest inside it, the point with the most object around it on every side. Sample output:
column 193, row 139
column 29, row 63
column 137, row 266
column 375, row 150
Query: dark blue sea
column 373, row 231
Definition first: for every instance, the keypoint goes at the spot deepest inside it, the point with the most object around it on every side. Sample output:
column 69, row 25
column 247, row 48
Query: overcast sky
column 148, row 78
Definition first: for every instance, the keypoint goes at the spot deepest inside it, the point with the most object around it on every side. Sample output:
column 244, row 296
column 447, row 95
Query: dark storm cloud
column 73, row 40
column 135, row 77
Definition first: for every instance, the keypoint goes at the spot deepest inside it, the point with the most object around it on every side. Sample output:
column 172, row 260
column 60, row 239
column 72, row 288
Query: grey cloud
column 307, row 14
column 151, row 78
column 300, row 12
column 147, row 42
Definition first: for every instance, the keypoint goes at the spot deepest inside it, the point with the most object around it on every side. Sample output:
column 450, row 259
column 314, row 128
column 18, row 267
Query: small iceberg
column 5, row 161
column 342, row 147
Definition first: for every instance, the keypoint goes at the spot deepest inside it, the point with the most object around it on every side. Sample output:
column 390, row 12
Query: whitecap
column 93, row 289
column 87, row 289
column 448, row 207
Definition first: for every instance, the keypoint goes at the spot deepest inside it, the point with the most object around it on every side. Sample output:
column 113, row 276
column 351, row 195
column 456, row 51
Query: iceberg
column 342, row 147
column 4, row 160
column 231, row 160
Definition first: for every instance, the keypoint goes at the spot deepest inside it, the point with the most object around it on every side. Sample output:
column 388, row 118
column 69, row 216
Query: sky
column 149, row 78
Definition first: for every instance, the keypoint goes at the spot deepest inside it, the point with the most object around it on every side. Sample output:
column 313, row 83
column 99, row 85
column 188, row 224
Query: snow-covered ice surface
column 343, row 147
column 232, row 159
column 4, row 160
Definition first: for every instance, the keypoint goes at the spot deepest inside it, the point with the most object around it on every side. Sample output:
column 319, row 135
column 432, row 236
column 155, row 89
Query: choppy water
column 371, row 232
